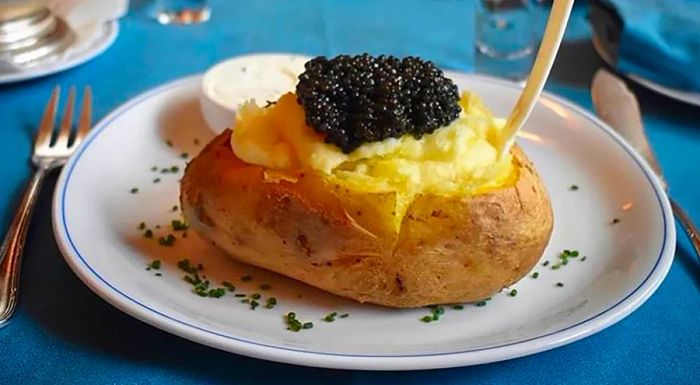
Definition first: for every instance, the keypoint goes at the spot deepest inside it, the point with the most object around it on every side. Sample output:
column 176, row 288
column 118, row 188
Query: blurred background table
column 63, row 333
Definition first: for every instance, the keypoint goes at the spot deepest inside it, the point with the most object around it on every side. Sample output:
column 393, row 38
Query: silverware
column 618, row 107
column 51, row 150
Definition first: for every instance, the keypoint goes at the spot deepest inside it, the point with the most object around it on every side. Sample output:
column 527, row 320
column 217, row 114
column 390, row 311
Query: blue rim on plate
column 547, row 341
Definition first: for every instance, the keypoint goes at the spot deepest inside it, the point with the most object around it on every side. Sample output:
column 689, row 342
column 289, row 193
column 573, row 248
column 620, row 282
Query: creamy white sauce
column 259, row 77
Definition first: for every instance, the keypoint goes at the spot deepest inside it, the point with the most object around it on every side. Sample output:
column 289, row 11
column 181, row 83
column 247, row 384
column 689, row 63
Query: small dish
column 231, row 82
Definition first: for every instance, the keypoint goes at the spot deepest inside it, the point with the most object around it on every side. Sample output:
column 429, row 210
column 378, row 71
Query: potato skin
column 448, row 249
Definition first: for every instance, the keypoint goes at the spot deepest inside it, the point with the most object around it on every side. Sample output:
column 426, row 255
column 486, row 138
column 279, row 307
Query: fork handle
column 13, row 246
column 688, row 226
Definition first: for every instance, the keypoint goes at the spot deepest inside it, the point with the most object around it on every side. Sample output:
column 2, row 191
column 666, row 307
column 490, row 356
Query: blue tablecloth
column 62, row 333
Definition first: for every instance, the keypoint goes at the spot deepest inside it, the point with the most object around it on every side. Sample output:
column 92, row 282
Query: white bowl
column 261, row 77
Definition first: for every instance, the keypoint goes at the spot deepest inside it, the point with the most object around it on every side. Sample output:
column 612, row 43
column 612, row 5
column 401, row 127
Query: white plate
column 684, row 96
column 95, row 40
column 96, row 217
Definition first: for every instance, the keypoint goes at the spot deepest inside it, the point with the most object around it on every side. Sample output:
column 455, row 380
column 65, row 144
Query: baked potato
column 447, row 249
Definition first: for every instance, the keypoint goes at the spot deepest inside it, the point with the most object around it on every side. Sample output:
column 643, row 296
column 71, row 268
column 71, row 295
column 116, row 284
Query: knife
column 618, row 107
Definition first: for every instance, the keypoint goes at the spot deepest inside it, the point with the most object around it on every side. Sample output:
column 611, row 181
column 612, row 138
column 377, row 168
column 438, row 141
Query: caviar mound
column 361, row 99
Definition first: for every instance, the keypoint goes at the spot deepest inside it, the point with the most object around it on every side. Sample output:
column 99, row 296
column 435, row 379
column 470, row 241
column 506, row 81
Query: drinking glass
column 505, row 38
column 179, row 11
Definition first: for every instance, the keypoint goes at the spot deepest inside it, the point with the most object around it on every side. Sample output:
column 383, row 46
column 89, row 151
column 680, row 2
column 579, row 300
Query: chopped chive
column 344, row 315
column 179, row 225
column 513, row 293
column 142, row 226
column 154, row 168
column 254, row 304
column 545, row 263
column 164, row 171
column 535, row 275
column 134, row 190
column 189, row 280
column 271, row 302
column 559, row 284
column 174, row 169
column 556, row 267
column 168, row 240
column 217, row 293
column 427, row 319
column 169, row 143
column 255, row 296
column 159, row 275
column 330, row 317
column 148, row 233
column 245, row 300
column 186, row 266
column 583, row 259
column 157, row 180
column 184, row 155
column 615, row 221
column 308, row 325
column 480, row 303
column 155, row 264
column 436, row 311
column 174, row 208
column 240, row 295
column 228, row 285
column 293, row 324
column 265, row 287
column 573, row 187
column 458, row 307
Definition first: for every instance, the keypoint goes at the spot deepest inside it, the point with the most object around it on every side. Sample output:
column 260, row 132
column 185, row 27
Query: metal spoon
column 553, row 34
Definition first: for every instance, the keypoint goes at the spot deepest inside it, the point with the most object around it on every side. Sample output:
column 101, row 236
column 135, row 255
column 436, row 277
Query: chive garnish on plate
column 330, row 317
column 167, row 240
column 179, row 225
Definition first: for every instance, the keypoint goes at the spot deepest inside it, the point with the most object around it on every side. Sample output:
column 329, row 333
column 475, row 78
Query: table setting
column 449, row 192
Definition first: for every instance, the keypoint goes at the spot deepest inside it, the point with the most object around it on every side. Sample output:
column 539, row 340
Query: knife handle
column 618, row 107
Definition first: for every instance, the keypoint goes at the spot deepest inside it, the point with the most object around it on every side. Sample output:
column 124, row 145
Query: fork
column 51, row 151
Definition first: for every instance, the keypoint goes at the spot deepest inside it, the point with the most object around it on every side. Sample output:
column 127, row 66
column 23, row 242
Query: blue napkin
column 660, row 41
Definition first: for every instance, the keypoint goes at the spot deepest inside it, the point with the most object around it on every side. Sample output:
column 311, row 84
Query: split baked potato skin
column 447, row 249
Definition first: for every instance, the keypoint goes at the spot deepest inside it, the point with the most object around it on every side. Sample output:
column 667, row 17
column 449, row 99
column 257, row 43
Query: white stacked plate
column 34, row 42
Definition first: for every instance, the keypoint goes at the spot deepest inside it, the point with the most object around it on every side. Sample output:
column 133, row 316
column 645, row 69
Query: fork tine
column 85, row 116
column 67, row 121
column 43, row 136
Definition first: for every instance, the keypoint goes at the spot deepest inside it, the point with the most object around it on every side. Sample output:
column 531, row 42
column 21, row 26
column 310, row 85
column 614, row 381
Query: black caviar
column 361, row 99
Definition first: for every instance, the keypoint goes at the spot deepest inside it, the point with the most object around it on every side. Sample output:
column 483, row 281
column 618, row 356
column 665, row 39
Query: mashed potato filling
column 460, row 159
